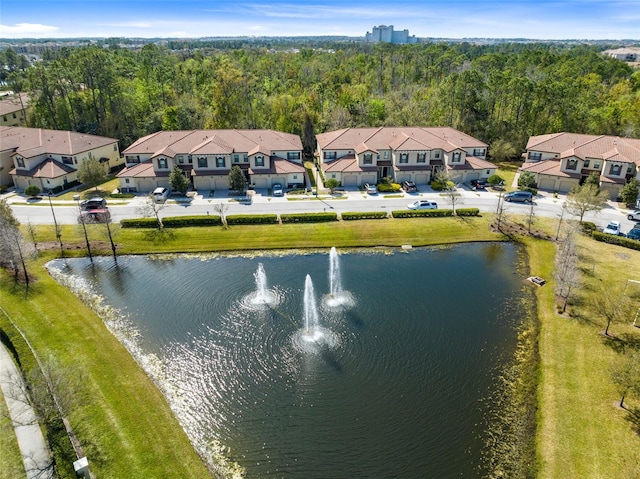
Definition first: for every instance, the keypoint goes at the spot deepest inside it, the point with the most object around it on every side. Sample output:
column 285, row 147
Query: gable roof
column 32, row 142
column 49, row 168
column 13, row 104
column 212, row 142
column 397, row 138
column 612, row 148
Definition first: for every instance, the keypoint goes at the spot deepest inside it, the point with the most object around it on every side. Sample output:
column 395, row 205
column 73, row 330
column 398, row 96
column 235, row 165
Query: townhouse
column 355, row 156
column 206, row 157
column 13, row 110
column 560, row 161
column 50, row 158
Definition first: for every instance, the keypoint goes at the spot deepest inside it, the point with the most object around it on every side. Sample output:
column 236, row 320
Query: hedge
column 139, row 223
column 419, row 213
column 122, row 195
column 619, row 240
column 386, row 187
column 364, row 215
column 308, row 217
column 201, row 220
column 468, row 212
column 252, row 219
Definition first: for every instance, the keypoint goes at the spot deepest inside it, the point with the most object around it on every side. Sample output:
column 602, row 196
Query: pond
column 393, row 381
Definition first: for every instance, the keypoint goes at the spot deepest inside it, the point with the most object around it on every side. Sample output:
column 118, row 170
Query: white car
column 634, row 215
column 160, row 194
column 370, row 189
column 276, row 189
column 613, row 228
column 423, row 205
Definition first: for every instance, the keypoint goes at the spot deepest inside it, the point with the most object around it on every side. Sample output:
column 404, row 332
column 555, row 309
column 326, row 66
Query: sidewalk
column 33, row 448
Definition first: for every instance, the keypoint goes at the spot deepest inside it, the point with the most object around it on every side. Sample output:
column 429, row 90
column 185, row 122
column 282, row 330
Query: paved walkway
column 33, row 447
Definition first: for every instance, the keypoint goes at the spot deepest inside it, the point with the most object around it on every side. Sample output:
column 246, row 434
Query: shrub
column 588, row 227
column 139, row 223
column 32, row 190
column 468, row 212
column 495, row 180
column 421, row 213
column 619, row 240
column 122, row 195
column 308, row 217
column 200, row 220
column 527, row 180
column 364, row 215
column 442, row 185
column 252, row 219
column 629, row 192
column 388, row 187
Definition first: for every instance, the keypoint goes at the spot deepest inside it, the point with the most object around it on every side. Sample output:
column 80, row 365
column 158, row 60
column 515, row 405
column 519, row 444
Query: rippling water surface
column 391, row 387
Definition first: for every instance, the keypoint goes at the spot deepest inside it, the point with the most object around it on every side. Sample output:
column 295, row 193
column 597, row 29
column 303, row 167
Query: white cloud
column 128, row 25
column 25, row 29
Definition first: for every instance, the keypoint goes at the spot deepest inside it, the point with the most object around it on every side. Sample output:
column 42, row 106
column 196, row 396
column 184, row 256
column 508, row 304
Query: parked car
column 409, row 186
column 276, row 190
column 423, row 205
column 95, row 203
column 478, row 184
column 613, row 228
column 519, row 196
column 634, row 215
column 634, row 233
column 370, row 189
column 160, row 194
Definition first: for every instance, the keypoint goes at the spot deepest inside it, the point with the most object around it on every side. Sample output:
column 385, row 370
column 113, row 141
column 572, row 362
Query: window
column 615, row 170
column 133, row 159
column 333, row 175
column 586, row 163
column 404, row 158
column 162, row 163
column 571, row 164
column 67, row 160
column 478, row 152
column 422, row 157
column 75, row 160
column 202, row 162
column 386, row 155
column 126, row 180
column 181, row 159
column 259, row 160
column 456, row 157
column 293, row 155
column 189, row 159
column 368, row 159
column 535, row 156
column 596, row 164
column 295, row 177
column 245, row 158
column 330, row 155
column 20, row 161
column 236, row 158
column 220, row 163
column 115, row 147
column 437, row 155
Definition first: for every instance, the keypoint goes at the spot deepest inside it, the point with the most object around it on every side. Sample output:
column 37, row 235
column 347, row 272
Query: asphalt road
column 546, row 205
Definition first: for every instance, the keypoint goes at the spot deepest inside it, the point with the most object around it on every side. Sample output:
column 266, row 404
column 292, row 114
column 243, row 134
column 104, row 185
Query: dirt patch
column 54, row 245
column 511, row 229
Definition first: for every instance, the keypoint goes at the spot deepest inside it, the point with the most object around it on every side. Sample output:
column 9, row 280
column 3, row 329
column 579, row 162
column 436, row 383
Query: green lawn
column 11, row 465
column 507, row 171
column 128, row 428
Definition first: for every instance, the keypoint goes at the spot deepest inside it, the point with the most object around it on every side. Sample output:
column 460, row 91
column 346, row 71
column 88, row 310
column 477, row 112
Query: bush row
column 388, row 187
column 182, row 221
column 364, row 215
column 139, row 223
column 308, row 217
column 252, row 219
column 468, row 212
column 619, row 240
column 421, row 213
column 122, row 195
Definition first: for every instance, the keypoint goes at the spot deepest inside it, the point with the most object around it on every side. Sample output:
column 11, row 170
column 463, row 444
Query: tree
column 502, row 150
column 611, row 305
column 626, row 375
column 593, row 179
column 566, row 273
column 221, row 209
column 237, row 181
column 308, row 138
column 32, row 190
column 629, row 192
column 151, row 208
column 495, row 180
column 527, row 180
column 585, row 198
column 91, row 172
column 178, row 180
column 13, row 249
column 332, row 184
column 452, row 196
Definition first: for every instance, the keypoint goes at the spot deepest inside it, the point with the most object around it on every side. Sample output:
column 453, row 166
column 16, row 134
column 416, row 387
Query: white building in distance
column 386, row 34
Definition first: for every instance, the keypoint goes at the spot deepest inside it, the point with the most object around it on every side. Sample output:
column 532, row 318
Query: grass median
column 130, row 429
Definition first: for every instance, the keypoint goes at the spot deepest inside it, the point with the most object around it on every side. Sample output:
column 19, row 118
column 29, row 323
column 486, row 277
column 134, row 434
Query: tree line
column 501, row 94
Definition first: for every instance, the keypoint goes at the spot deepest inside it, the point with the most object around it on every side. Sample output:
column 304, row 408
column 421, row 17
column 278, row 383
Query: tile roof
column 348, row 165
column 49, row 168
column 548, row 167
column 212, row 142
column 13, row 105
column 405, row 138
column 624, row 150
column 32, row 142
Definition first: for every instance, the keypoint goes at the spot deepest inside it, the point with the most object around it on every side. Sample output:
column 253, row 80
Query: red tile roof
column 49, row 168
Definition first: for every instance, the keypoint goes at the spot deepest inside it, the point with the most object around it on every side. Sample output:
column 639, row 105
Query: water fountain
column 262, row 296
column 336, row 297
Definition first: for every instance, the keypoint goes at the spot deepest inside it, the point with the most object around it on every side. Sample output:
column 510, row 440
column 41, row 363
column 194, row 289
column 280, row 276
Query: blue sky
column 538, row 19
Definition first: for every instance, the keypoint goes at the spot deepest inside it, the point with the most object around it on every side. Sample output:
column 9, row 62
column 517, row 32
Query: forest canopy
column 505, row 92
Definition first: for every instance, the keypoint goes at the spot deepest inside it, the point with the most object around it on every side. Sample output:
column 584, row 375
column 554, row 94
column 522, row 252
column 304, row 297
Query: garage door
column 401, row 178
column 260, row 182
column 202, row 184
column 369, row 179
column 547, row 184
column 565, row 186
column 349, row 180
column 145, row 186
column 164, row 183
column 422, row 179
column 473, row 176
column 221, row 183
column 279, row 180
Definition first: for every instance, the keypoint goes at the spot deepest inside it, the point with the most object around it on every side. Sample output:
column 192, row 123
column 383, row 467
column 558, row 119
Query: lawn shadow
column 159, row 236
